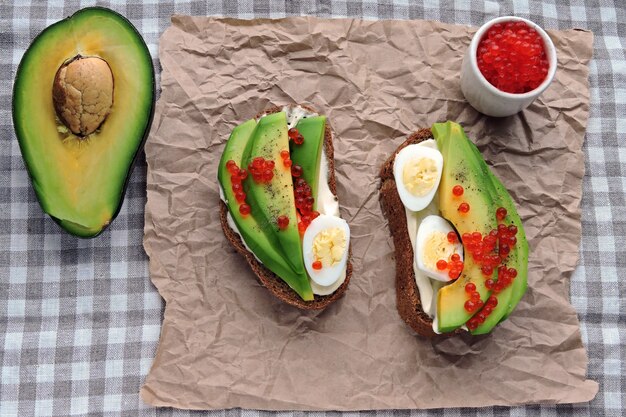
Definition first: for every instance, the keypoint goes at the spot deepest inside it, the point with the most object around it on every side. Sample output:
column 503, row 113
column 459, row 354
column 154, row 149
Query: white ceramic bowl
column 486, row 98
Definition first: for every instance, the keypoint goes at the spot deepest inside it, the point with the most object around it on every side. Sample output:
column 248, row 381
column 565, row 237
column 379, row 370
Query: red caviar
column 296, row 171
column 489, row 284
column 244, row 209
column 295, row 136
column 282, row 222
column 237, row 175
column 230, row 166
column 482, row 315
column 457, row 190
column 304, row 201
column 317, row 265
column 472, row 323
column 464, row 207
column 490, row 252
column 240, row 197
column 261, row 169
column 452, row 237
column 284, row 155
column 512, row 57
column 454, row 265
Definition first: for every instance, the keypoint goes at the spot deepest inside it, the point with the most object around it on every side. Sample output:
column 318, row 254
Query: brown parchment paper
column 227, row 343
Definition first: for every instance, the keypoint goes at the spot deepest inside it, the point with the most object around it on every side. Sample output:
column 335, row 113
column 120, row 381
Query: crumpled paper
column 227, row 343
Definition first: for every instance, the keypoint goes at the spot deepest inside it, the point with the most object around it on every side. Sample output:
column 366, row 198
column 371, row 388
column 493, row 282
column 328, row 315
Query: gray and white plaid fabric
column 80, row 320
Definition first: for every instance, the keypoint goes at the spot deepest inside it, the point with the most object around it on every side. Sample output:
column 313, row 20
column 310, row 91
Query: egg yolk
column 419, row 176
column 435, row 247
column 329, row 246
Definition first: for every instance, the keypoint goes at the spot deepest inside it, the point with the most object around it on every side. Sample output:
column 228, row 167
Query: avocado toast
column 268, row 218
column 474, row 274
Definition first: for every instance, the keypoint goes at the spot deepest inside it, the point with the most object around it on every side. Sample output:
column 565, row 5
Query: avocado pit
column 82, row 93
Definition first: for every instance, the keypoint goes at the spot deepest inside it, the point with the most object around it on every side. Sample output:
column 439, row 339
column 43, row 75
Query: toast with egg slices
column 272, row 282
column 461, row 249
column 408, row 301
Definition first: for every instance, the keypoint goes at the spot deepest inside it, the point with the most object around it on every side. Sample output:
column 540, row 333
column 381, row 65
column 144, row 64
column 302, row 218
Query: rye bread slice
column 267, row 278
column 408, row 300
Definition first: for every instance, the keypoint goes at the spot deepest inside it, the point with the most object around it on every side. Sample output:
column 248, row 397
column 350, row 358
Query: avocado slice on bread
column 488, row 200
column 273, row 249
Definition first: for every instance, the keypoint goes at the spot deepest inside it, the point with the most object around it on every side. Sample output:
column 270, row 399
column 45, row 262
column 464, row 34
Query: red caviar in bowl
column 512, row 57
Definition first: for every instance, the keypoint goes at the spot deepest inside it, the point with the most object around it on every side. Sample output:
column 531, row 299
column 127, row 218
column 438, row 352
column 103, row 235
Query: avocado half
column 83, row 102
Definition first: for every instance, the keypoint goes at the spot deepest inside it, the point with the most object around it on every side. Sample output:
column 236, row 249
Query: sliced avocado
column 309, row 153
column 462, row 167
column 518, row 257
column 503, row 296
column 262, row 244
column 520, row 283
column 82, row 107
column 274, row 199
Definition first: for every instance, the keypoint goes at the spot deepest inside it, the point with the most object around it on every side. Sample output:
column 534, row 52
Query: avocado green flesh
column 309, row 153
column 463, row 168
column 503, row 296
column 274, row 199
column 81, row 182
column 261, row 244
column 518, row 257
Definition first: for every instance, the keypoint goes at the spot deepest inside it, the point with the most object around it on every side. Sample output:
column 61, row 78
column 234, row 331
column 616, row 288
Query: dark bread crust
column 408, row 300
column 267, row 278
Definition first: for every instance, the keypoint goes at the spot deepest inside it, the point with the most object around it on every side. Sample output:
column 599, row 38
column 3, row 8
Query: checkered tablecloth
column 80, row 320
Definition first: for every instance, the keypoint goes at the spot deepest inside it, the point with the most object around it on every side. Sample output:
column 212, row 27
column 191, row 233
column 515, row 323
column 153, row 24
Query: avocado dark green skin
column 75, row 229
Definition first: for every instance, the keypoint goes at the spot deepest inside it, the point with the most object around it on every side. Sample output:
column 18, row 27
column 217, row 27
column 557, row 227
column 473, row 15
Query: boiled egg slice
column 432, row 245
column 325, row 249
column 417, row 171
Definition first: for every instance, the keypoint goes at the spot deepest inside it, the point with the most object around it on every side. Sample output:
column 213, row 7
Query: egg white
column 416, row 151
column 434, row 224
column 328, row 275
